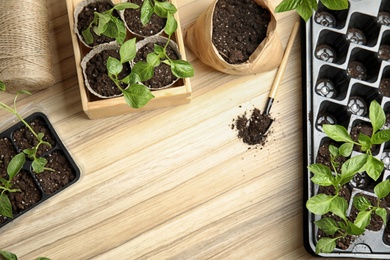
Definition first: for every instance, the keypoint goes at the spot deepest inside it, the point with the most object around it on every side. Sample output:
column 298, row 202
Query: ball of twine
column 25, row 58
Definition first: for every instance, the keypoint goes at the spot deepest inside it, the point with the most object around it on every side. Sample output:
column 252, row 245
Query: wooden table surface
column 173, row 183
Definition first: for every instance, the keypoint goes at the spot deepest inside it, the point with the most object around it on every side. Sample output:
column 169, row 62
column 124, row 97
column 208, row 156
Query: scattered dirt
column 251, row 130
column 162, row 73
column 133, row 21
column 97, row 74
column 239, row 26
column 86, row 17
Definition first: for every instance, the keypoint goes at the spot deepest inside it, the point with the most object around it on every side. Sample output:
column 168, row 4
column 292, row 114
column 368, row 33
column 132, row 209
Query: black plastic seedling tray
column 58, row 148
column 346, row 62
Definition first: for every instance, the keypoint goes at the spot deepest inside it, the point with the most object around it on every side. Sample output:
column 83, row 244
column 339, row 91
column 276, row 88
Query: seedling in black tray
column 39, row 163
column 324, row 176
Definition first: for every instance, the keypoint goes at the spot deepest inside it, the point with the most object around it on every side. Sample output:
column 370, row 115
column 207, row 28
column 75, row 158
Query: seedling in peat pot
column 305, row 7
column 38, row 163
column 107, row 24
column 321, row 204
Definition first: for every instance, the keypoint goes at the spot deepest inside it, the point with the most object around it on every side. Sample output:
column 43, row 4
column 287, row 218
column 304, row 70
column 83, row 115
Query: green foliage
column 107, row 24
column 321, row 204
column 5, row 255
column 305, row 8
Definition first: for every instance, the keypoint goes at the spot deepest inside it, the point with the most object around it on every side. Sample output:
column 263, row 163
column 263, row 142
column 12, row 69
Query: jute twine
column 25, row 58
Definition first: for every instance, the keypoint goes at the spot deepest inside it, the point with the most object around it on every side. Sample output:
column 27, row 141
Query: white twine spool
column 25, row 58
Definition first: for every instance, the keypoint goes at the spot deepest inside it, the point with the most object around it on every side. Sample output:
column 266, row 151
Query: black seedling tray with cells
column 346, row 65
column 57, row 152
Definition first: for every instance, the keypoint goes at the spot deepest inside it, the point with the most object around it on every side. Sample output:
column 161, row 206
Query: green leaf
column 381, row 136
column 382, row 189
column 43, row 258
column 374, row 167
column 319, row 204
column 353, row 229
column 337, row 133
column 363, row 219
column 351, row 167
column 8, row 255
column 127, row 51
column 121, row 31
column 2, row 86
column 326, row 245
column 162, row 9
column 137, row 95
column 153, row 59
column 15, row 165
column 5, row 206
column 345, row 149
column 159, row 50
column 381, row 212
column 361, row 203
column 39, row 164
column 334, row 151
column 287, row 5
column 339, row 207
column 335, row 4
column 126, row 5
column 87, row 35
column 144, row 70
column 171, row 24
column 104, row 19
column 305, row 10
column 147, row 11
column 328, row 225
column 377, row 115
column 182, row 69
column 114, row 66
column 322, row 175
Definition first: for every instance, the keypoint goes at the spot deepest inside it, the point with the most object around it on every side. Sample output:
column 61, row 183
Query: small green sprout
column 5, row 255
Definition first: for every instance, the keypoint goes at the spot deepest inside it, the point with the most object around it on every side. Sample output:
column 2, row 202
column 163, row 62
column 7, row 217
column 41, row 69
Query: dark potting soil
column 52, row 181
column 86, row 16
column 133, row 21
column 97, row 75
column 162, row 73
column 239, row 26
column 7, row 151
column 252, row 130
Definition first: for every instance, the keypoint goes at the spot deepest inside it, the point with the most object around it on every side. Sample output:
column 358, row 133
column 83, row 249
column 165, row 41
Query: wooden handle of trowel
column 283, row 64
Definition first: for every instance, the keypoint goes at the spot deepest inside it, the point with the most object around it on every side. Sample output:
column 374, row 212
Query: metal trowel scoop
column 278, row 77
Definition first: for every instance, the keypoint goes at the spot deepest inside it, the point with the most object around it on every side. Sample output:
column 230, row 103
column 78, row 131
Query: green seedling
column 38, row 163
column 321, row 204
column 13, row 168
column 163, row 9
column 105, row 23
column 365, row 208
column 6, row 255
column 305, row 8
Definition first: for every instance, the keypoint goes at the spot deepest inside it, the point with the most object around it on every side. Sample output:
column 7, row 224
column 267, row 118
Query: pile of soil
column 239, row 26
column 133, row 21
column 252, row 130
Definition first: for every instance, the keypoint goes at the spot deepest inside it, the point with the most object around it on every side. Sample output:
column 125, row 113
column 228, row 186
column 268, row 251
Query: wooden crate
column 94, row 107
